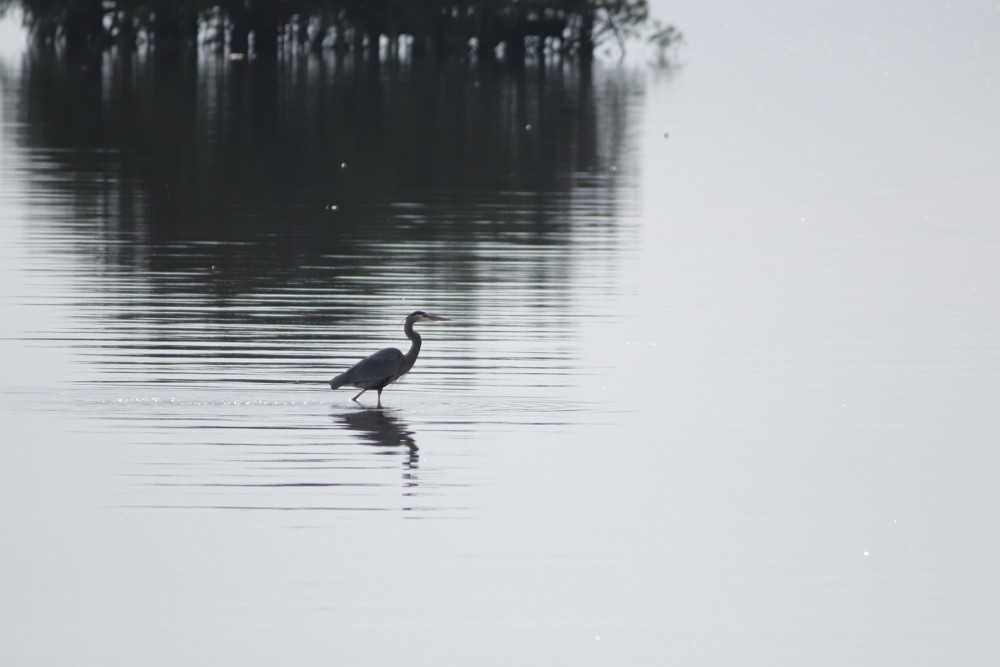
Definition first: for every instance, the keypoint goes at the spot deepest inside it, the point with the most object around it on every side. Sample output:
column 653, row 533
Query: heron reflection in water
column 386, row 366
column 381, row 429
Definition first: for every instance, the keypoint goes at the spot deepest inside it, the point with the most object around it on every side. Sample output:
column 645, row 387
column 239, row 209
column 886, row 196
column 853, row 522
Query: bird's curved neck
column 415, row 338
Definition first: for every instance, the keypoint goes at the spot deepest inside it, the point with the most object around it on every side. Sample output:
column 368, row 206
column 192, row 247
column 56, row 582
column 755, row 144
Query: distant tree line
column 263, row 27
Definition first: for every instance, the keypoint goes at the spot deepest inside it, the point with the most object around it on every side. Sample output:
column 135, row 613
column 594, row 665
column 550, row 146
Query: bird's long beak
column 437, row 318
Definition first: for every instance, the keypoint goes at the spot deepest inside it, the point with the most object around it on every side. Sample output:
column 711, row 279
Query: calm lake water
column 720, row 385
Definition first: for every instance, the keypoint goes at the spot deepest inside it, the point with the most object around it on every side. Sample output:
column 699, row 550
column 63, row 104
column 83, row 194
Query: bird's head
column 421, row 316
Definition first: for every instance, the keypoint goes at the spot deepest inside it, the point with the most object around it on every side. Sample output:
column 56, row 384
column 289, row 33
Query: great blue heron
column 388, row 365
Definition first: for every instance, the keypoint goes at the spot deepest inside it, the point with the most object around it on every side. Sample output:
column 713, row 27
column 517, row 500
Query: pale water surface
column 720, row 386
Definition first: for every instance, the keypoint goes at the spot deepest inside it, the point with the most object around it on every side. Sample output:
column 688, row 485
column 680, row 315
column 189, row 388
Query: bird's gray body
column 387, row 365
column 373, row 372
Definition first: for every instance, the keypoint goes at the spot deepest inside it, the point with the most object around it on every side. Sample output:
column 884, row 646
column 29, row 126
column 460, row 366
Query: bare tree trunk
column 586, row 37
column 264, row 25
column 486, row 30
column 239, row 36
column 83, row 26
column 173, row 25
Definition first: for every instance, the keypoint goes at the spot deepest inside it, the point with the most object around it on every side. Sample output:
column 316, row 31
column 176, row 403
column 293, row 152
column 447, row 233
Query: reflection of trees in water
column 379, row 428
column 229, row 152
column 215, row 181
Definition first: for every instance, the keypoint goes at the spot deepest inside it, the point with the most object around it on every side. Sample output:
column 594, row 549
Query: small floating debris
column 331, row 207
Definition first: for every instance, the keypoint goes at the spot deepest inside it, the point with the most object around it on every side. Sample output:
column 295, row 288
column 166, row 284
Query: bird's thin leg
column 355, row 399
column 380, row 398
